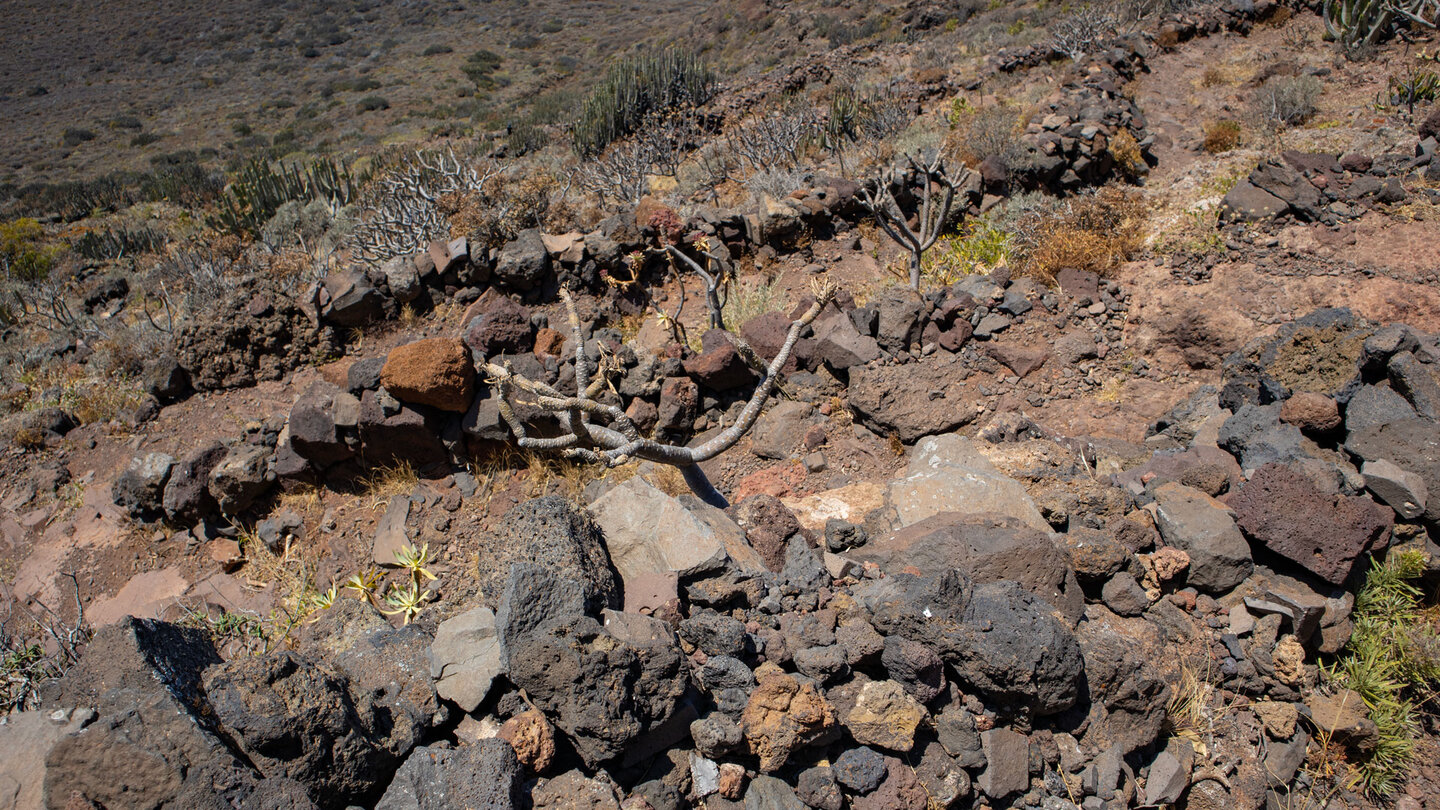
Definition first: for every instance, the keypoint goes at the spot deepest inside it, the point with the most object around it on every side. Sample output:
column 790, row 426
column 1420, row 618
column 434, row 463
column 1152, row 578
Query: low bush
column 1285, row 101
column 1221, row 136
column 990, row 132
column 22, row 256
column 1094, row 231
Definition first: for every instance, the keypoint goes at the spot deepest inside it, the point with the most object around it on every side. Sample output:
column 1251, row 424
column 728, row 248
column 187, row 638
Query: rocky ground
column 1093, row 543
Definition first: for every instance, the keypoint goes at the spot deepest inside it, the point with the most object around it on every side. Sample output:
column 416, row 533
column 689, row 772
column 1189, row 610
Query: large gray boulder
column 1204, row 528
column 523, row 262
column 649, row 532
column 950, row 474
column 987, row 549
column 483, row 776
column 1000, row 640
column 604, row 690
column 153, row 743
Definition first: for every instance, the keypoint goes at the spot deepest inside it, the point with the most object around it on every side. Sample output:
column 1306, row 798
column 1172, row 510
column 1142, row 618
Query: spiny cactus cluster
column 636, row 88
column 261, row 189
column 1356, row 23
column 115, row 243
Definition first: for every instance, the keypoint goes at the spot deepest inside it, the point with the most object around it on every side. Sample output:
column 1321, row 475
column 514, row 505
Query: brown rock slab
column 1311, row 412
column 433, row 371
column 782, row 716
column 1285, row 511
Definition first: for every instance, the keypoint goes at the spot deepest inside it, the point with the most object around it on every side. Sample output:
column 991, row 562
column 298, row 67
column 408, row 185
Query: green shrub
column 1391, row 660
column 480, row 68
column 372, row 104
column 21, row 255
column 636, row 88
column 434, row 50
column 74, row 136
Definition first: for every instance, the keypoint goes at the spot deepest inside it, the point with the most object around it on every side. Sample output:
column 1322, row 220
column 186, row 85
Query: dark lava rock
column 1283, row 510
column 1000, row 640
column 553, row 533
column 482, row 776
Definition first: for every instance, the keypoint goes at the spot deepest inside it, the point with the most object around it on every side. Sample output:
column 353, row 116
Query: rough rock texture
column 150, row 745
column 295, row 717
column 500, row 325
column 482, row 776
column 433, row 371
column 885, row 715
column 783, row 715
column 1000, row 639
column 523, row 262
column 603, row 692
column 911, row 401
column 553, row 533
column 1283, row 509
column 1204, row 528
column 249, row 337
column 986, row 549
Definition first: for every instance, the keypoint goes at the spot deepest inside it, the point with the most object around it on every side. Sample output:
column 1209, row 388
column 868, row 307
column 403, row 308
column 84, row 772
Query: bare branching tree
column 713, row 269
column 935, row 187
column 603, row 434
column 621, row 172
column 403, row 214
column 1082, row 32
column 776, row 139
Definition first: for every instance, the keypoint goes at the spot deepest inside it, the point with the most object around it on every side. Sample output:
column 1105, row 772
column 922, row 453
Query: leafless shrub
column 773, row 183
column 202, row 275
column 1082, row 32
column 670, row 139
column 776, row 139
column 36, row 646
column 620, row 173
column 1284, row 101
column 612, row 439
column 402, row 212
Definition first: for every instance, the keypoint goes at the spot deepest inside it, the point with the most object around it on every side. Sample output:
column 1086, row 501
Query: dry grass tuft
column 1094, row 232
column 1221, row 136
column 1126, row 151
column 384, row 483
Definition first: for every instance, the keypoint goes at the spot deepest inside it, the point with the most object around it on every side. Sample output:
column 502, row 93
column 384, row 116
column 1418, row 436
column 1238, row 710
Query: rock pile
column 950, row 642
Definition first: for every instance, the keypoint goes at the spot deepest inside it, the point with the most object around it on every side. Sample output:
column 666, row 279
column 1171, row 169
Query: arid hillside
column 885, row 406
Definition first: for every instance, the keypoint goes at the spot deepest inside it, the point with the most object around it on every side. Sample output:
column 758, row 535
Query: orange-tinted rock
column 433, row 371
column 784, row 715
column 533, row 739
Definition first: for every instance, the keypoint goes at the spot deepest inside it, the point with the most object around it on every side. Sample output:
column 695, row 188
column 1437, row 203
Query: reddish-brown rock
column 1311, row 412
column 1287, row 513
column 782, row 716
column 533, row 739
column 498, row 324
column 901, row 790
column 549, row 341
column 433, row 371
